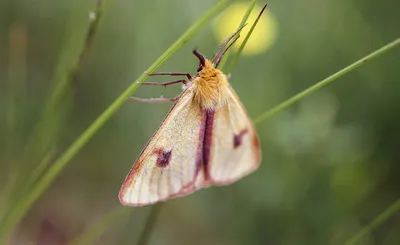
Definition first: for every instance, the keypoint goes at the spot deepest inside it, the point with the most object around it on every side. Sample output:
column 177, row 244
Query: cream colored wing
column 234, row 146
column 169, row 163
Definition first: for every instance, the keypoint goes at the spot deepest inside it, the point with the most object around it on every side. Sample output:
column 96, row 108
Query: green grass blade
column 21, row 208
column 235, row 58
column 244, row 19
column 326, row 81
column 380, row 219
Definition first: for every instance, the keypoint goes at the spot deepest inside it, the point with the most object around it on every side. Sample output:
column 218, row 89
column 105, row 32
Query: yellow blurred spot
column 263, row 36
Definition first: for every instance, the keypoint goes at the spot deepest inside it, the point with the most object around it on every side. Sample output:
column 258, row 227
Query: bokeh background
column 330, row 162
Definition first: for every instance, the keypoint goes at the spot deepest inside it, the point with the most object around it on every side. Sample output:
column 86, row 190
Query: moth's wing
column 169, row 163
column 235, row 148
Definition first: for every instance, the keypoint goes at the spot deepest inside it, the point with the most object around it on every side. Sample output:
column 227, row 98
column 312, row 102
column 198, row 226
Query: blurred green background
column 330, row 163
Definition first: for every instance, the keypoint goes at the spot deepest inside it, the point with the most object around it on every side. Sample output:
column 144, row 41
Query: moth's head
column 204, row 64
column 210, row 89
column 206, row 68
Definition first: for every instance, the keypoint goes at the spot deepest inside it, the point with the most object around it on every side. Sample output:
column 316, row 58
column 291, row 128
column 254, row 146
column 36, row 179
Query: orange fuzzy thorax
column 210, row 87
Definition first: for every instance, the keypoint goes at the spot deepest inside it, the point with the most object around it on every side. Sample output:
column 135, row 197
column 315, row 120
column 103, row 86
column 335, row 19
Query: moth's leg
column 169, row 74
column 155, row 100
column 164, row 83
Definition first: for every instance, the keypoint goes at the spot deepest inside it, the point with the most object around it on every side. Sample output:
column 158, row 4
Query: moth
column 207, row 138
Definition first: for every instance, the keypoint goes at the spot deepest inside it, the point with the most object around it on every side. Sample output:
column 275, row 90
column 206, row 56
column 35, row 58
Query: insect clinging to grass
column 206, row 139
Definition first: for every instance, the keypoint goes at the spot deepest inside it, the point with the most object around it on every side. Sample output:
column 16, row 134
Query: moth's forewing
column 169, row 163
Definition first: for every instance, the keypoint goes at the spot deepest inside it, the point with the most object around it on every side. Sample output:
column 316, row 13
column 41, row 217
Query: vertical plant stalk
column 65, row 76
column 150, row 224
column 92, row 234
column 95, row 18
column 22, row 206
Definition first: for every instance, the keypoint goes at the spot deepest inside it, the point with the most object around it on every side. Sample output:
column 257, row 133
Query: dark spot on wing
column 163, row 158
column 237, row 138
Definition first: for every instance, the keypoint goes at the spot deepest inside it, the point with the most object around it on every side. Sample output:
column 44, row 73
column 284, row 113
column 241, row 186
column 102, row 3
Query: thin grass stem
column 379, row 220
column 325, row 82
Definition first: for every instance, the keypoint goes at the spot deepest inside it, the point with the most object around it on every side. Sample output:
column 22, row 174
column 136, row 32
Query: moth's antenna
column 223, row 53
column 218, row 57
column 225, row 43
column 202, row 59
